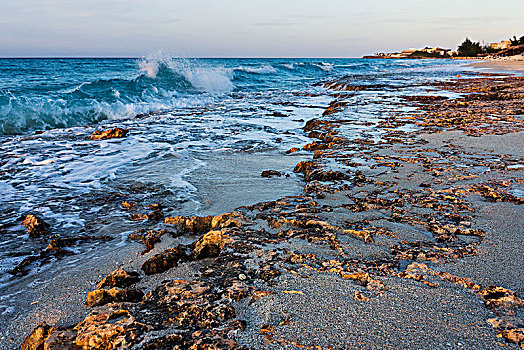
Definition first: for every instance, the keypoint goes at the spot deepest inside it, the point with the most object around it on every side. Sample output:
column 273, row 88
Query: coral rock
column 194, row 224
column 119, row 278
column 109, row 134
column 35, row 225
column 209, row 245
column 164, row 261
column 100, row 297
column 35, row 340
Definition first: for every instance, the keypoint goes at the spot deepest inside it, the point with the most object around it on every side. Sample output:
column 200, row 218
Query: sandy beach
column 405, row 239
column 511, row 64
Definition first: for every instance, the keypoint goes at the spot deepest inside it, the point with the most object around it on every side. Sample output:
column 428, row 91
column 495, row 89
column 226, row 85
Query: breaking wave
column 158, row 83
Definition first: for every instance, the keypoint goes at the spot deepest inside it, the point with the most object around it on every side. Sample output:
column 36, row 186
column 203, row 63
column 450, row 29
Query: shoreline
column 500, row 66
column 292, row 272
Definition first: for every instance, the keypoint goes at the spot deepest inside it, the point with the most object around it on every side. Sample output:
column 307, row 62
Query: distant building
column 503, row 45
column 408, row 52
column 437, row 50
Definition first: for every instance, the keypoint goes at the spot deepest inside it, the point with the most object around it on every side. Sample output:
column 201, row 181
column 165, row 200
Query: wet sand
column 405, row 241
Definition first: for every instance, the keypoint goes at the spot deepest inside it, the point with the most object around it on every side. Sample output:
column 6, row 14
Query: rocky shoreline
column 361, row 259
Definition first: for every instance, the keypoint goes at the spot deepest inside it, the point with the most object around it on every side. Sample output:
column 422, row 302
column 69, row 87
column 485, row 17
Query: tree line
column 472, row 49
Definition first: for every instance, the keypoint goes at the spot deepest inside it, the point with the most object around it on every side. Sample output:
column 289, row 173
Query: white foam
column 266, row 69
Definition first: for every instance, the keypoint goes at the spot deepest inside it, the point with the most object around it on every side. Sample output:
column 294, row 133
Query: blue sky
column 246, row 28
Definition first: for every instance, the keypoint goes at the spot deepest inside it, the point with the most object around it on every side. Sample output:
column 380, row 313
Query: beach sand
column 515, row 64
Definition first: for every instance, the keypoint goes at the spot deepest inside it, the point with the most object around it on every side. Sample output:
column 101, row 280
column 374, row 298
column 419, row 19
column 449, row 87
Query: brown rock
column 109, row 327
column 37, row 338
column 164, row 261
column 100, row 297
column 119, row 278
column 209, row 245
column 292, row 150
column 35, row 225
column 109, row 134
column 194, row 224
column 304, row 166
column 515, row 335
column 269, row 173
column 232, row 219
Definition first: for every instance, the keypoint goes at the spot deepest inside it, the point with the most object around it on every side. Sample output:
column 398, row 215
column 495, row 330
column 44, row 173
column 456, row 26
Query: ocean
column 201, row 132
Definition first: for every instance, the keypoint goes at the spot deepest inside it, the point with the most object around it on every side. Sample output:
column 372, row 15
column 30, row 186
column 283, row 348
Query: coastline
column 297, row 269
column 500, row 65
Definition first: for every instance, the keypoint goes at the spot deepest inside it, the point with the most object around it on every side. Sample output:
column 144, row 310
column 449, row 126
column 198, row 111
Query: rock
column 194, row 224
column 59, row 243
column 99, row 297
column 515, row 335
column 62, row 340
column 304, row 166
column 232, row 219
column 328, row 175
column 119, row 278
column 164, row 261
column 209, row 245
column 292, row 150
column 37, row 338
column 35, row 226
column 109, row 327
column 269, row 173
column 109, row 134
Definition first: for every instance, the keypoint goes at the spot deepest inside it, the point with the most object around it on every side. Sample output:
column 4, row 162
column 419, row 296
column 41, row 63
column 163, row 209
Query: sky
column 247, row 28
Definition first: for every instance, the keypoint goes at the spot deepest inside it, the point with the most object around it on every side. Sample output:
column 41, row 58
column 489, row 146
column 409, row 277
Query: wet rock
column 99, row 297
column 148, row 238
column 194, row 224
column 128, row 205
column 514, row 335
column 269, row 173
column 59, row 243
column 325, row 175
column 292, row 150
column 109, row 134
column 232, row 219
column 304, row 166
column 36, row 339
column 209, row 245
column 119, row 278
column 35, row 226
column 159, row 263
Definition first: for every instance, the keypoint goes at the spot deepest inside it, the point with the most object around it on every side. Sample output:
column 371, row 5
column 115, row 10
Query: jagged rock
column 515, row 335
column 269, row 173
column 304, row 166
column 100, row 297
column 35, row 225
column 328, row 175
column 36, row 339
column 209, row 245
column 232, row 219
column 119, row 278
column 59, row 243
column 194, row 224
column 109, row 327
column 164, row 261
column 109, row 134
column 189, row 304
